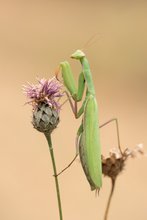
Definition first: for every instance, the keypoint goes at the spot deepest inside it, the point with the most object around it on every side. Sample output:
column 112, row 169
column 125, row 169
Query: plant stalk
column 48, row 137
column 110, row 197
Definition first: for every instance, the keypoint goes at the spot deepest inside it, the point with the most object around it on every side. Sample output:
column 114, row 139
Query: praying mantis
column 88, row 137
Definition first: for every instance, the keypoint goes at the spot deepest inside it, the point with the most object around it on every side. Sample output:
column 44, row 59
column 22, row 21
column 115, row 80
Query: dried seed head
column 115, row 163
column 112, row 166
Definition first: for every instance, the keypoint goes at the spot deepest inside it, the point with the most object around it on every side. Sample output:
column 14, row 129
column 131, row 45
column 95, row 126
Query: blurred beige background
column 34, row 37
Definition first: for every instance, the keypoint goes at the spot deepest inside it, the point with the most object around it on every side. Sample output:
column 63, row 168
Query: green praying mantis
column 88, row 137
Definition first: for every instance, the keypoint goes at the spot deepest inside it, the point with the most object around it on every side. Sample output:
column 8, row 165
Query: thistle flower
column 44, row 97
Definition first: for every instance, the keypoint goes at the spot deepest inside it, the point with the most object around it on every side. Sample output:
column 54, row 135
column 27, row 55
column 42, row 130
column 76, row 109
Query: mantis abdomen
column 89, row 150
column 83, row 159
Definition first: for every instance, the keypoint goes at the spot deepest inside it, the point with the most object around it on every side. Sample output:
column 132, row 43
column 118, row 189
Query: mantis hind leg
column 117, row 131
column 68, row 165
column 80, row 130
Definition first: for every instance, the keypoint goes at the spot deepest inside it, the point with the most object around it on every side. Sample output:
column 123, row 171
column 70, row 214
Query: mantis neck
column 87, row 75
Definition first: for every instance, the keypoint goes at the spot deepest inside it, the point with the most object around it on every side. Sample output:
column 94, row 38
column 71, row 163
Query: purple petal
column 45, row 90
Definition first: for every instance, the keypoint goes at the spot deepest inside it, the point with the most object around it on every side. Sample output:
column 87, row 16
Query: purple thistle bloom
column 46, row 91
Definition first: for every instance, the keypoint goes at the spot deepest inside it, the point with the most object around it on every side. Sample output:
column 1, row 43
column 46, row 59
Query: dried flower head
column 44, row 97
column 115, row 163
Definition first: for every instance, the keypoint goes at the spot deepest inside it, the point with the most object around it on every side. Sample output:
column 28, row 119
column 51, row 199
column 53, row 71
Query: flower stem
column 48, row 137
column 110, row 197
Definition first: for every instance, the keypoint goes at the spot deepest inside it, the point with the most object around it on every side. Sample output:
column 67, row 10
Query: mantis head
column 78, row 54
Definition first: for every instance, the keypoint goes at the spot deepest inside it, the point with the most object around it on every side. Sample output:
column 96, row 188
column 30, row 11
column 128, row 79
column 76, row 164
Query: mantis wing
column 89, row 148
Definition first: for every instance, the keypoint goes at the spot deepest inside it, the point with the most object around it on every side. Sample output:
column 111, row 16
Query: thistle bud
column 45, row 118
column 43, row 97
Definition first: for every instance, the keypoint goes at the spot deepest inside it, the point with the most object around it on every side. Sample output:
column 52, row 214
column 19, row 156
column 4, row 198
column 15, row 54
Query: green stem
column 48, row 137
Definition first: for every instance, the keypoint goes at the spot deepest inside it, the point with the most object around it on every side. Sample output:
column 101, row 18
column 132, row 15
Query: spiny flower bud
column 45, row 118
column 46, row 108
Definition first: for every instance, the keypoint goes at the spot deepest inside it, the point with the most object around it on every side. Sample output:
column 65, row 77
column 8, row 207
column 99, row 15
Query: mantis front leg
column 75, row 93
